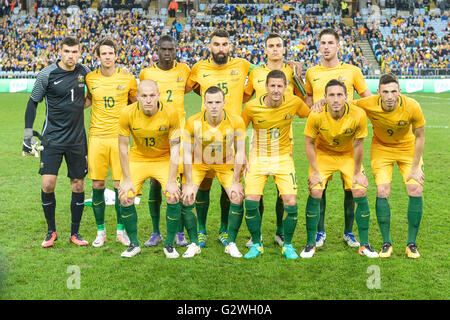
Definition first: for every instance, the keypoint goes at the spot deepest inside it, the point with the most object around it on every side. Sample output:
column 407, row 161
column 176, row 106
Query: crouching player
column 398, row 137
column 214, row 142
column 334, row 140
column 154, row 154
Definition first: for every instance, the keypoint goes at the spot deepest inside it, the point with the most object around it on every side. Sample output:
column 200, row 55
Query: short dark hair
column 221, row 33
column 329, row 31
column 273, row 35
column 70, row 41
column 214, row 89
column 166, row 38
column 335, row 82
column 388, row 78
column 276, row 74
column 107, row 41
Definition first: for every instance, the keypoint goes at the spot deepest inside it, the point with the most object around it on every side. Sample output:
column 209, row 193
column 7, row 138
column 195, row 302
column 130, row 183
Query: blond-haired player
column 155, row 153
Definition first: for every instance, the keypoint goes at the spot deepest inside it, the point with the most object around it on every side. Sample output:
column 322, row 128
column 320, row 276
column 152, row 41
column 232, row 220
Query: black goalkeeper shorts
column 75, row 156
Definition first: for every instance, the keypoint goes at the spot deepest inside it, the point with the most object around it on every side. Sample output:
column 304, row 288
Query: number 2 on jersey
column 169, row 98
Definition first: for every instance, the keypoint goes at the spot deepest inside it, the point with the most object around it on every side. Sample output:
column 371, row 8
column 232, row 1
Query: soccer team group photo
column 230, row 139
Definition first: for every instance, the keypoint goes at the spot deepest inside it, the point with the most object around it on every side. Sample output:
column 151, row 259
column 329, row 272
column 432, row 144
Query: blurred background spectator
column 403, row 43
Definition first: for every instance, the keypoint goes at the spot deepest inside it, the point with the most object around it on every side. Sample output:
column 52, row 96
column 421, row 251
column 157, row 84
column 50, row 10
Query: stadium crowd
column 29, row 48
column 412, row 46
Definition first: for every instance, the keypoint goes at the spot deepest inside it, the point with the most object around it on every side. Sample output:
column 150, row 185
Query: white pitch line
column 431, row 97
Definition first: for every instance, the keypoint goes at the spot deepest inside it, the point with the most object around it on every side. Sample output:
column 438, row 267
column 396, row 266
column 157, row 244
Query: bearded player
column 229, row 74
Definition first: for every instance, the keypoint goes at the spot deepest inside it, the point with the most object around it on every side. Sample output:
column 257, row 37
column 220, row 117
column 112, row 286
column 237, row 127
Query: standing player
column 171, row 77
column 62, row 84
column 230, row 75
column 393, row 115
column 334, row 140
column 316, row 79
column 271, row 116
column 110, row 89
column 275, row 51
column 256, row 85
column 215, row 141
column 154, row 154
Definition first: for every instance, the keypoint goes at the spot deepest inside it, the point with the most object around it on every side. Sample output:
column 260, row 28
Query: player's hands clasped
column 361, row 179
column 416, row 174
column 173, row 190
column 188, row 194
column 237, row 192
column 314, row 179
column 126, row 186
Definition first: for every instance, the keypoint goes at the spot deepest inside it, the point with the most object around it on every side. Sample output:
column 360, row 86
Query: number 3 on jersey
column 149, row 142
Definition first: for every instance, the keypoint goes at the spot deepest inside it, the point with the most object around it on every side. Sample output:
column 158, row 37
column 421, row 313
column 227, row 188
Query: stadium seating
column 412, row 45
column 248, row 24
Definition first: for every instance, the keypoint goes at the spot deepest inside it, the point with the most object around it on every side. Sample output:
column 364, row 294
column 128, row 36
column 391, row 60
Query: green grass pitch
column 336, row 271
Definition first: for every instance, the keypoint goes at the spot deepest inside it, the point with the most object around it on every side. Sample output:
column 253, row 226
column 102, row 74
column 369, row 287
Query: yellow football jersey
column 393, row 129
column 230, row 77
column 214, row 145
column 317, row 77
column 171, row 84
column 109, row 96
column 151, row 135
column 271, row 126
column 256, row 83
column 336, row 136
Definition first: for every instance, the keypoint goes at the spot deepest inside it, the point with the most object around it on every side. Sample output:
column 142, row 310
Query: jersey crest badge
column 348, row 131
